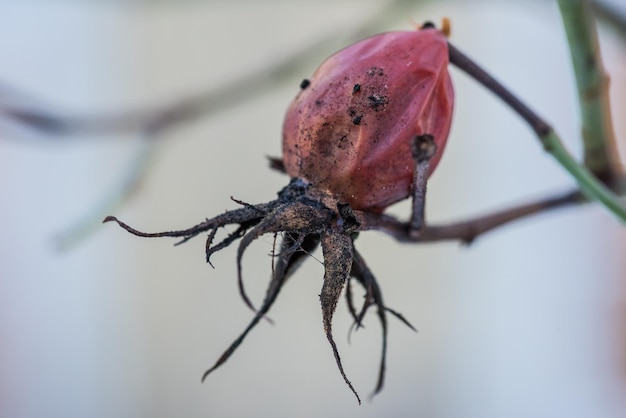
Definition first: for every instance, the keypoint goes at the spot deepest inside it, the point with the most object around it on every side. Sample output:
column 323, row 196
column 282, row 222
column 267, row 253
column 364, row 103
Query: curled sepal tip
column 278, row 280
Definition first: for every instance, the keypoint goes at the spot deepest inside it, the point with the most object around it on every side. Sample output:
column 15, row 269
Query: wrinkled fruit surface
column 349, row 129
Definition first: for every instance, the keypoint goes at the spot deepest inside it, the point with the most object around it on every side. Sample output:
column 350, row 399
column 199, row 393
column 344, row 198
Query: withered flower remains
column 364, row 132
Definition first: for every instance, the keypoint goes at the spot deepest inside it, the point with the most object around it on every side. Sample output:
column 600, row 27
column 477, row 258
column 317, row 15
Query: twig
column 205, row 104
column 589, row 185
column 465, row 231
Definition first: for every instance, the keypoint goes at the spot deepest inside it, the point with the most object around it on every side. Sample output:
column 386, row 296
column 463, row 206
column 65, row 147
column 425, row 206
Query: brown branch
column 463, row 62
column 465, row 231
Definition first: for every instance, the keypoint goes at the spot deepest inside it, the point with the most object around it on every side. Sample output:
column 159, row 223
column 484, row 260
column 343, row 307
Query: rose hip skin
column 349, row 131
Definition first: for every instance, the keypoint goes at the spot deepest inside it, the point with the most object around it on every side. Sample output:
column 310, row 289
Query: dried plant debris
column 304, row 221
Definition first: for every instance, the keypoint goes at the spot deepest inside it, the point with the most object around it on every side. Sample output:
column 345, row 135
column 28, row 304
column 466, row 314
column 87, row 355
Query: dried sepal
column 278, row 279
column 303, row 247
column 296, row 217
column 337, row 252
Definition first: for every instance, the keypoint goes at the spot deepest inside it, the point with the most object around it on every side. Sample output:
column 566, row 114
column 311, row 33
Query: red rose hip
column 349, row 129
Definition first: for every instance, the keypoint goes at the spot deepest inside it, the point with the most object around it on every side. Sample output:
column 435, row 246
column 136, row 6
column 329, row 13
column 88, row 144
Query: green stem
column 592, row 84
column 588, row 183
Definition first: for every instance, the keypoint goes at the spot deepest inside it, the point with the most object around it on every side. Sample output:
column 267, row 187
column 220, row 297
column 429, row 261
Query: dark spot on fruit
column 305, row 83
column 428, row 25
column 318, row 102
column 343, row 142
column 375, row 71
column 351, row 112
column 356, row 88
column 377, row 101
column 357, row 119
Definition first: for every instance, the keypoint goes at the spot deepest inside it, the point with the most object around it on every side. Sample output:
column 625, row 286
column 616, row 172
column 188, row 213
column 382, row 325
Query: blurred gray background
column 528, row 321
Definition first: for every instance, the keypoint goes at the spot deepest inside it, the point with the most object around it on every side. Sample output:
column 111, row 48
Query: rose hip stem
column 464, row 63
column 423, row 148
column 590, row 186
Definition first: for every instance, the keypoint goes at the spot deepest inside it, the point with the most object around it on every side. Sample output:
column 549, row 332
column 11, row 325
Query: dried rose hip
column 364, row 132
column 349, row 129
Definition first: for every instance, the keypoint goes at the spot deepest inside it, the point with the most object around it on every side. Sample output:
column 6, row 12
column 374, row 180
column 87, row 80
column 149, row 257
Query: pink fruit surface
column 348, row 131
